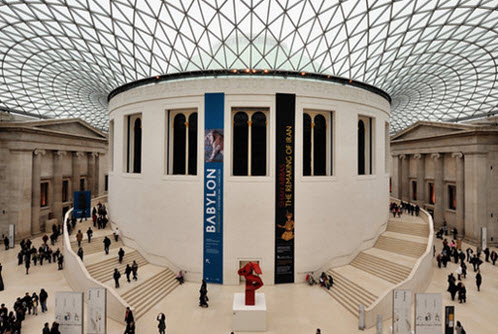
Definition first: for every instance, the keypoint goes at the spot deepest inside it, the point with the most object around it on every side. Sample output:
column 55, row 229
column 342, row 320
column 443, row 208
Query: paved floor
column 293, row 308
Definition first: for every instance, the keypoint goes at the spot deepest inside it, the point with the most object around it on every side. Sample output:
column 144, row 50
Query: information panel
column 428, row 313
column 284, row 188
column 69, row 312
column 402, row 311
column 82, row 204
column 214, row 105
column 96, row 310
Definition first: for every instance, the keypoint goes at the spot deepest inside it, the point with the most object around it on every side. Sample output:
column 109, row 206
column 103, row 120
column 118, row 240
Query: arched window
column 240, row 143
column 306, row 145
column 258, row 144
column 133, row 144
column 179, row 144
column 320, row 146
column 361, row 147
column 317, row 143
column 192, row 144
column 137, row 146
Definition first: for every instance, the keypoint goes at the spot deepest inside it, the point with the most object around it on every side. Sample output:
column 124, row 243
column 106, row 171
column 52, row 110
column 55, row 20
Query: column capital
column 39, row 152
column 436, row 156
column 418, row 156
column 402, row 156
column 60, row 153
column 94, row 154
column 78, row 154
column 457, row 155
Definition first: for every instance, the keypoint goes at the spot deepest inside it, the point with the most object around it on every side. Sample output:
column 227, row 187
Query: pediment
column 429, row 129
column 73, row 127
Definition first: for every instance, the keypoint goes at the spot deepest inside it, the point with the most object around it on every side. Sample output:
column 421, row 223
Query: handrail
column 79, row 279
column 383, row 304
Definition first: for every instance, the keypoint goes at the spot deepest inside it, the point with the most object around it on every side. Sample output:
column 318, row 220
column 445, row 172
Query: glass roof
column 437, row 59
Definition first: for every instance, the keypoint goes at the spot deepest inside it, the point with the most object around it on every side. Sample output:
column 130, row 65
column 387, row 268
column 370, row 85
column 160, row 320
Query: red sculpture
column 253, row 282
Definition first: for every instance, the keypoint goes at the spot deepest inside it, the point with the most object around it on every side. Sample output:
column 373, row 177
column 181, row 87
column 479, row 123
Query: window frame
column 169, row 137
column 329, row 140
column 431, row 194
column 129, row 143
column 452, row 196
column 369, row 145
column 44, row 194
column 65, row 196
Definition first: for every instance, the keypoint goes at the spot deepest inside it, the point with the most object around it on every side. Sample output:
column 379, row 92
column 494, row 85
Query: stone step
column 408, row 248
column 381, row 268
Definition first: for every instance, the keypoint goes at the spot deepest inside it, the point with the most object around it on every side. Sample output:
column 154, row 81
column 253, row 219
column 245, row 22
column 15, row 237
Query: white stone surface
column 249, row 318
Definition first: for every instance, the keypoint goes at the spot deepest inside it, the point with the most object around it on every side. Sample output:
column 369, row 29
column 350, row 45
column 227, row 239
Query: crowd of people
column 398, row 209
column 11, row 322
column 30, row 254
column 133, row 269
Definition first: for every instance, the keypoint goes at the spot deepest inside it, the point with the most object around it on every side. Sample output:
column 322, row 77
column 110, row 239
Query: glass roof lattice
column 436, row 59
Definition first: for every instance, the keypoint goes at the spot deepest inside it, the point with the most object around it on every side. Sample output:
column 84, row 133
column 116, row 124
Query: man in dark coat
column 6, row 242
column 107, row 243
column 121, row 254
column 116, row 277
column 478, row 280
column 486, row 253
column 128, row 272
column 89, row 233
column 129, row 316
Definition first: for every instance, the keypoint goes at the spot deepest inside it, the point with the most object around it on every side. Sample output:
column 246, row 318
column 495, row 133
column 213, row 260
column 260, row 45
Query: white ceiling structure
column 436, row 58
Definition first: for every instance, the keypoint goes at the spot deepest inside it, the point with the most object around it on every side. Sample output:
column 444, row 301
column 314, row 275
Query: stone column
column 97, row 174
column 460, row 209
column 396, row 176
column 420, row 158
column 405, row 183
column 438, row 188
column 476, row 170
column 35, row 191
column 76, row 168
column 57, row 185
column 91, row 172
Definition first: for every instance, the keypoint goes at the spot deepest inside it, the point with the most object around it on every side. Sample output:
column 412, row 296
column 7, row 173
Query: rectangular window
column 365, row 145
column 181, row 146
column 432, row 193
column 65, row 190
column 111, row 144
column 414, row 190
column 82, row 184
column 133, row 144
column 318, row 149
column 44, row 194
column 106, row 182
column 249, row 141
column 452, row 197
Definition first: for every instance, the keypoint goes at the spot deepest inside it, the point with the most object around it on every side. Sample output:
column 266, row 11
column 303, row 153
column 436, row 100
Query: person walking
column 79, row 237
column 107, row 243
column 35, row 300
column 6, row 242
column 486, row 253
column 43, row 300
column 134, row 269
column 27, row 262
column 121, row 254
column 60, row 262
column 116, row 234
column 89, row 234
column 130, row 328
column 128, row 272
column 462, row 293
column 129, row 315
column 161, row 318
column 116, row 277
column 478, row 280
column 459, row 328
column 80, row 253
column 459, row 271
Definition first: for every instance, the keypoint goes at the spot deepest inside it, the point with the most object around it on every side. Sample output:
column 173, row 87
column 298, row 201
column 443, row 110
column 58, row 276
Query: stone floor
column 293, row 308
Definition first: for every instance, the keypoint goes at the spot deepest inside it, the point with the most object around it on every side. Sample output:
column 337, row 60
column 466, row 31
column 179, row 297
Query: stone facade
column 41, row 164
column 450, row 170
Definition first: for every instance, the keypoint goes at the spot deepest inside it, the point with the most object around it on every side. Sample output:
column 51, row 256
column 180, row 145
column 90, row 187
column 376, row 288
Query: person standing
column 129, row 316
column 79, row 237
column 128, row 272
column 80, row 253
column 116, row 234
column 130, row 328
column 462, row 293
column 46, row 329
column 43, row 300
column 478, row 280
column 134, row 269
column 459, row 328
column 35, row 299
column 27, row 262
column 6, row 242
column 121, row 254
column 486, row 253
column 107, row 243
column 55, row 328
column 161, row 318
column 89, row 234
column 1, row 279
column 494, row 256
column 116, row 277
column 60, row 262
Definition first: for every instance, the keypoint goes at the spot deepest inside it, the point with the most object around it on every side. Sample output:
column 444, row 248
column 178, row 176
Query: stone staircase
column 141, row 295
column 375, row 270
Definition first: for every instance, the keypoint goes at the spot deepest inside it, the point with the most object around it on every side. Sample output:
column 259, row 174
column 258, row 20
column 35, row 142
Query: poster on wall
column 82, row 204
column 214, row 106
column 402, row 311
column 428, row 313
column 69, row 312
column 96, row 310
column 284, row 188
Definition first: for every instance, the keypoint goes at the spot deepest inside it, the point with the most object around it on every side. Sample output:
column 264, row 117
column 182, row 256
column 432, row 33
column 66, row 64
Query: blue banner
column 214, row 105
column 82, row 204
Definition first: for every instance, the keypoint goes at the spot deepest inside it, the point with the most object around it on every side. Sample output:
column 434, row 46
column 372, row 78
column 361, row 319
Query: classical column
column 97, row 173
column 420, row 159
column 35, row 191
column 438, row 188
column 459, row 193
column 57, row 185
column 91, row 172
column 476, row 170
column 405, row 184
column 76, row 168
column 396, row 176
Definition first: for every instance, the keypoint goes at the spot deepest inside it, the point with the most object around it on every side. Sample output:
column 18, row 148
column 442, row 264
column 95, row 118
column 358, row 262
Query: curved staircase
column 376, row 270
column 154, row 282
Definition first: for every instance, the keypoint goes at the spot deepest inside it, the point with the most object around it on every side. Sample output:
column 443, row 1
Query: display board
column 82, row 204
column 96, row 310
column 484, row 238
column 284, row 188
column 69, row 312
column 402, row 311
column 12, row 235
column 428, row 313
column 214, row 104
